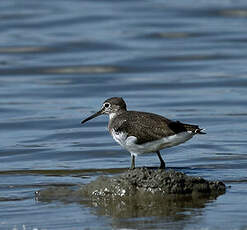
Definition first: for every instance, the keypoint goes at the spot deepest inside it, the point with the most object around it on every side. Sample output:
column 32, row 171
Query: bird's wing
column 145, row 127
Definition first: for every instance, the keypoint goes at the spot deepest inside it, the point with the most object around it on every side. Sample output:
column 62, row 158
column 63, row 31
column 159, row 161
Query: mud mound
column 140, row 192
column 151, row 182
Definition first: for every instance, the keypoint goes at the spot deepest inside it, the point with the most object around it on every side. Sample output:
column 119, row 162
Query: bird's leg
column 162, row 162
column 132, row 162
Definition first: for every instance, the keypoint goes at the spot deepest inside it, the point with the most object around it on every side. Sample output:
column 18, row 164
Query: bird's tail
column 200, row 131
column 194, row 129
column 178, row 127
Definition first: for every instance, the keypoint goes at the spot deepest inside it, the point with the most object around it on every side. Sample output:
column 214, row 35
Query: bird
column 143, row 132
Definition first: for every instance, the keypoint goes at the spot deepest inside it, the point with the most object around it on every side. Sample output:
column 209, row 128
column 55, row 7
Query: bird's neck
column 112, row 116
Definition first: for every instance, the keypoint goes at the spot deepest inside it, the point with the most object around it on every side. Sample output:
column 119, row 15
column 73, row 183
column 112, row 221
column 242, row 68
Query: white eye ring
column 107, row 105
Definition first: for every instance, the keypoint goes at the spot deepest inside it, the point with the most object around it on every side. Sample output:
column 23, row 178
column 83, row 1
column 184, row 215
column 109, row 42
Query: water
column 59, row 60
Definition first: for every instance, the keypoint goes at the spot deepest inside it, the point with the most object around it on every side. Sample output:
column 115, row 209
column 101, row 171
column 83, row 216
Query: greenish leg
column 162, row 162
column 132, row 162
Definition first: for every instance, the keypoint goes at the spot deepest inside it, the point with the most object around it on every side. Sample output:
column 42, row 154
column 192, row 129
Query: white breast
column 119, row 137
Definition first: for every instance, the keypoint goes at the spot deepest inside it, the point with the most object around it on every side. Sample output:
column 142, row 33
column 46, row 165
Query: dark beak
column 91, row 117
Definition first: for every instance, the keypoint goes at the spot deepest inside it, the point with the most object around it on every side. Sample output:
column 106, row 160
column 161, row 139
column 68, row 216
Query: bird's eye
column 107, row 105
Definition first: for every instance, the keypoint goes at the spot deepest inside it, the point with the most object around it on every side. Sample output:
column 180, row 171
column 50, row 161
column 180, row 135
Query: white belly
column 129, row 143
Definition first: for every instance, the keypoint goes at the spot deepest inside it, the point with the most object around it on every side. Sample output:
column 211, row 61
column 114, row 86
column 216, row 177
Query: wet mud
column 139, row 192
column 146, row 181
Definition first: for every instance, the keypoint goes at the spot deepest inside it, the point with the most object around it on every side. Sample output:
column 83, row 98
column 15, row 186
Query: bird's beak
column 93, row 116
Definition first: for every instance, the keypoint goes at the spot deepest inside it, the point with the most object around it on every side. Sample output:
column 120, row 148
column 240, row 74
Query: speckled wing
column 148, row 127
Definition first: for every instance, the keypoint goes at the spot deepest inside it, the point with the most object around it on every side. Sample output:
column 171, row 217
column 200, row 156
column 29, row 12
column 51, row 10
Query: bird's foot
column 162, row 166
column 132, row 167
column 132, row 162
